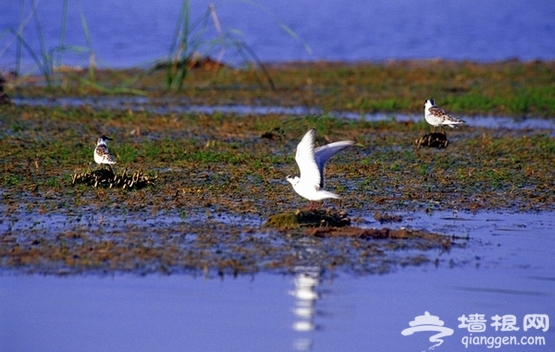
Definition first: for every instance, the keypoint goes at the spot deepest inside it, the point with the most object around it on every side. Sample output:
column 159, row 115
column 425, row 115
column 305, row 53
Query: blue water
column 126, row 33
column 506, row 268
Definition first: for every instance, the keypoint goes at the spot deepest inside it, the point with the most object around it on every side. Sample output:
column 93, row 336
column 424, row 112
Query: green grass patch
column 464, row 88
column 220, row 162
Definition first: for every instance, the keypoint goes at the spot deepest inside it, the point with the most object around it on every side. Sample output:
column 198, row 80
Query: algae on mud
column 107, row 178
column 87, row 244
column 308, row 218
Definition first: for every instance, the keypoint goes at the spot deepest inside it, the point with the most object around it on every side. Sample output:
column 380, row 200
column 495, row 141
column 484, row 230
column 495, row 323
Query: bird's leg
column 442, row 130
column 312, row 205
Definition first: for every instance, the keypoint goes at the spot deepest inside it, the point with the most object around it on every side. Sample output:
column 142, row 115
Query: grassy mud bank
column 216, row 178
column 222, row 162
column 509, row 88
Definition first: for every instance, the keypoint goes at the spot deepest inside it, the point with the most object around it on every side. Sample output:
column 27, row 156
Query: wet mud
column 103, row 244
column 308, row 218
column 213, row 182
column 217, row 182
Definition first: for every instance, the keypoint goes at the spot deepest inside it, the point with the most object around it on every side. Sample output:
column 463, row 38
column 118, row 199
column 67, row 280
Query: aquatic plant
column 308, row 218
column 49, row 60
column 190, row 45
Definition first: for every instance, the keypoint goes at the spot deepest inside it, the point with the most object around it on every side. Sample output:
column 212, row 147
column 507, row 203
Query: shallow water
column 506, row 268
column 166, row 106
column 128, row 33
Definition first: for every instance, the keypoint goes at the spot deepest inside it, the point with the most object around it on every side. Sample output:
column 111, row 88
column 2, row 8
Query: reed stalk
column 189, row 41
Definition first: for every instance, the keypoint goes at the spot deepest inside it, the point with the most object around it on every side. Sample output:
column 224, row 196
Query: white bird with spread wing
column 311, row 163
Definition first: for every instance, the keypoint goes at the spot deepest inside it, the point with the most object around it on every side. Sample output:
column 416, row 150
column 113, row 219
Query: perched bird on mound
column 438, row 118
column 101, row 153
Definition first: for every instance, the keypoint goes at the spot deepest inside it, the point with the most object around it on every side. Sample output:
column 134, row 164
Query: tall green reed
column 49, row 60
column 190, row 41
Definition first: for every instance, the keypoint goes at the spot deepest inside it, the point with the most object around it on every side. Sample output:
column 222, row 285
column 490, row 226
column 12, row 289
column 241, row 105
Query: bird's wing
column 306, row 159
column 102, row 151
column 324, row 153
column 437, row 112
column 451, row 119
column 440, row 113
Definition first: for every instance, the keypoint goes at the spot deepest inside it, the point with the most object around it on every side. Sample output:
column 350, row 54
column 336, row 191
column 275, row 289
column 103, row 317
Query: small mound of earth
column 433, row 140
column 205, row 63
column 385, row 217
column 431, row 239
column 107, row 178
column 308, row 218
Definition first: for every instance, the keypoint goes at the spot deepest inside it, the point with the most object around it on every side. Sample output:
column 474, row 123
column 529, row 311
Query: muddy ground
column 218, row 177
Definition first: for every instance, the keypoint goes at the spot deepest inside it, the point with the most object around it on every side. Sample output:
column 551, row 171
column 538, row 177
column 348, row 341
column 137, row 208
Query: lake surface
column 128, row 33
column 506, row 269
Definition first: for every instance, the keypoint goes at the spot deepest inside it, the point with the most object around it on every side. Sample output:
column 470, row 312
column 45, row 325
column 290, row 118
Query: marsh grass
column 509, row 88
column 224, row 164
column 519, row 89
column 126, row 154
column 190, row 43
column 50, row 60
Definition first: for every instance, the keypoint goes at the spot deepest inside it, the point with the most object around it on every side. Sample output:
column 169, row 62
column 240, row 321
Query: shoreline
column 511, row 88
column 212, row 165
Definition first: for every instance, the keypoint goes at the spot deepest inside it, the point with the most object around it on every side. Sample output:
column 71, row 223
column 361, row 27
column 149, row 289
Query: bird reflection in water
column 306, row 280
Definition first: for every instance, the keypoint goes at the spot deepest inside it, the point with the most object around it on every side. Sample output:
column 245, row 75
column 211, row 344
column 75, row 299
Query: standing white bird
column 101, row 153
column 311, row 163
column 437, row 117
